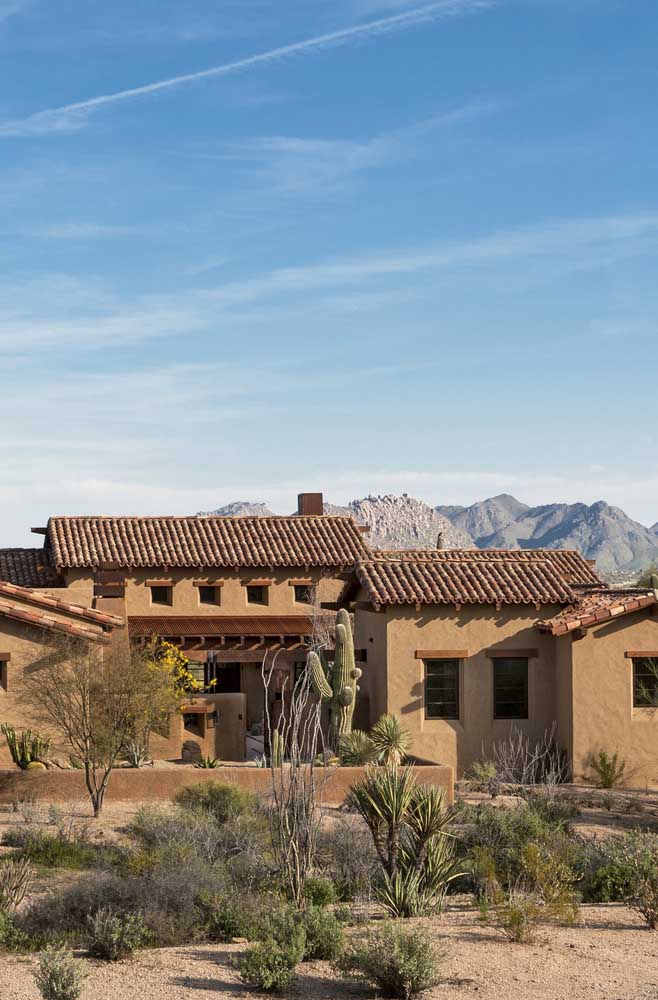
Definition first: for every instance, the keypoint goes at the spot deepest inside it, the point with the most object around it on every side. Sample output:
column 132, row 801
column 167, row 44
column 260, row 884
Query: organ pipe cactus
column 337, row 684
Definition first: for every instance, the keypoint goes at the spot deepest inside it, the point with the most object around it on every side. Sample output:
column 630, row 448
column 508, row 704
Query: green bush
column 115, row 936
column 399, row 963
column 230, row 916
column 11, row 938
column 222, row 802
column 325, row 938
column 320, row 891
column 608, row 768
column 270, row 965
column 518, row 914
column 608, row 883
column 59, row 976
column 49, row 850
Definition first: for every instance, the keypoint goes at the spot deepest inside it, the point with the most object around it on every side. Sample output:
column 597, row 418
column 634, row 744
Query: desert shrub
column 548, row 874
column 11, row 938
column 639, row 850
column 227, row 916
column 269, row 966
column 222, row 802
column 608, row 883
column 483, row 775
column 347, row 857
column 320, row 891
column 400, row 963
column 16, row 877
column 114, row 936
column 59, row 976
column 608, row 768
column 518, row 914
column 324, row 934
column 50, row 850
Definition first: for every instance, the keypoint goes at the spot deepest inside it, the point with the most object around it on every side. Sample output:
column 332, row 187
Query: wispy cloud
column 56, row 311
column 294, row 165
column 71, row 117
column 10, row 7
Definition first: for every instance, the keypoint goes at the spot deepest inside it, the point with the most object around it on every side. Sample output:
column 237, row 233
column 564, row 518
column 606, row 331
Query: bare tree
column 297, row 763
column 96, row 700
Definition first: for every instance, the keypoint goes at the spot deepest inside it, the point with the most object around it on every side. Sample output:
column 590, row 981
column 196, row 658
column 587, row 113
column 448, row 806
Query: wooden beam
column 511, row 654
column 630, row 654
column 441, row 654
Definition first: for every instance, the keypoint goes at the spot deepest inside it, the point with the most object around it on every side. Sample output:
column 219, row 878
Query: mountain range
column 620, row 545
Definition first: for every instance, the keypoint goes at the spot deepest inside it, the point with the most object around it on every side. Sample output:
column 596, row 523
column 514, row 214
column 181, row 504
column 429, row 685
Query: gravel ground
column 611, row 957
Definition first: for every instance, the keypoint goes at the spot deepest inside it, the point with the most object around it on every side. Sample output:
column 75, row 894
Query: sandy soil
column 612, row 956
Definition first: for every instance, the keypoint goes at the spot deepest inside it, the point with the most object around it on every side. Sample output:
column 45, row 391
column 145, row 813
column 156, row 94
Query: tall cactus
column 337, row 685
column 27, row 748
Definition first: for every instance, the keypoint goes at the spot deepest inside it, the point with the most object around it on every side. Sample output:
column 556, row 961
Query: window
column 256, row 594
column 161, row 595
column 511, row 688
column 208, row 595
column 304, row 593
column 442, row 689
column 645, row 682
column 3, row 674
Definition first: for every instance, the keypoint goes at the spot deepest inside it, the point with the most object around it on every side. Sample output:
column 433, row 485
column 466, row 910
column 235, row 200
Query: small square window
column 645, row 682
column 256, row 594
column 442, row 689
column 209, row 595
column 304, row 593
column 511, row 688
column 161, row 595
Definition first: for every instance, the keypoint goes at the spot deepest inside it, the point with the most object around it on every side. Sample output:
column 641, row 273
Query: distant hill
column 621, row 546
column 403, row 523
column 599, row 531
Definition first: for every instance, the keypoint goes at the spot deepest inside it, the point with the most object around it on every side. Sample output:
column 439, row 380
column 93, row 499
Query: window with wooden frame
column 162, row 594
column 304, row 593
column 4, row 673
column 257, row 593
column 510, row 688
column 645, row 682
column 209, row 594
column 441, row 689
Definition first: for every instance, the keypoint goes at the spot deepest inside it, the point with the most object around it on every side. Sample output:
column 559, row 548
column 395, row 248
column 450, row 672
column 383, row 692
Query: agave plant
column 136, row 754
column 409, row 824
column 390, row 740
column 356, row 749
column 208, row 763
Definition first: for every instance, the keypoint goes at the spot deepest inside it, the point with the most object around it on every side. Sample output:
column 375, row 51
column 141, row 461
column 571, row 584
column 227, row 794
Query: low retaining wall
column 159, row 784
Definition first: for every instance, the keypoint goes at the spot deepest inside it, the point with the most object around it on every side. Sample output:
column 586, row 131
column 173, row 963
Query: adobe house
column 230, row 592
column 462, row 645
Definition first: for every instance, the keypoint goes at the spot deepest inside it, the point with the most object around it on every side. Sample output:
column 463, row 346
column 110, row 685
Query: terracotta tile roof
column 174, row 625
column 595, row 606
column 28, row 568
column 24, row 605
column 567, row 563
column 505, row 580
column 205, row 541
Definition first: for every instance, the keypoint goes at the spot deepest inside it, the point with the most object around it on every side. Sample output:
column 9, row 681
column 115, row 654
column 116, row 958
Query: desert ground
column 610, row 954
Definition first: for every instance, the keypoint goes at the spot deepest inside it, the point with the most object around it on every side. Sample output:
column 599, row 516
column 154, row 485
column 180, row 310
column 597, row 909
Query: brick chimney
column 310, row 504
column 439, row 540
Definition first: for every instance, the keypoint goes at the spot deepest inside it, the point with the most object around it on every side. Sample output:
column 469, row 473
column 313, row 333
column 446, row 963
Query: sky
column 253, row 247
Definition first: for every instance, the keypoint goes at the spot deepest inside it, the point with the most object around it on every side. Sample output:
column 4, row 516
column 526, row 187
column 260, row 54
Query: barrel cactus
column 337, row 684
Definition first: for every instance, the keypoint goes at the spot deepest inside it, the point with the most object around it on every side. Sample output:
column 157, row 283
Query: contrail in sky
column 55, row 119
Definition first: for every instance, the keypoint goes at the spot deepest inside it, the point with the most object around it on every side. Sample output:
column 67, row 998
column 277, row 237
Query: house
column 463, row 645
column 229, row 592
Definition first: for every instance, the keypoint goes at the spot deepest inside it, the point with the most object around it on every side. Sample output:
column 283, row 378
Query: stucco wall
column 603, row 713
column 233, row 596
column 474, row 630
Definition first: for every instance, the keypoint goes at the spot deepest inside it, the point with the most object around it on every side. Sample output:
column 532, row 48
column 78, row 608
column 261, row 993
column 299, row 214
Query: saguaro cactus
column 337, row 685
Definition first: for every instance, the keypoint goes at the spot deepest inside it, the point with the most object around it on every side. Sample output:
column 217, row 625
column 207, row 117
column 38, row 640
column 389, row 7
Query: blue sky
column 381, row 246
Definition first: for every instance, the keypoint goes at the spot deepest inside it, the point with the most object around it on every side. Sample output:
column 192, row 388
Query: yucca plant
column 356, row 749
column 136, row 754
column 391, row 741
column 409, row 824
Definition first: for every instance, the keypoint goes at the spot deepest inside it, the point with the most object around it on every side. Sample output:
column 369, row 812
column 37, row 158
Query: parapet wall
column 161, row 784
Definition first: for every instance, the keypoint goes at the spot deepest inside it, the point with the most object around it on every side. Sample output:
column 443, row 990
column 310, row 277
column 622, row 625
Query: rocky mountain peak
column 402, row 522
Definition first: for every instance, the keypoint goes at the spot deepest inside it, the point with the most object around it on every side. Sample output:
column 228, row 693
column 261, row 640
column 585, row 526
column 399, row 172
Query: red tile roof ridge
column 45, row 601
column 40, row 619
